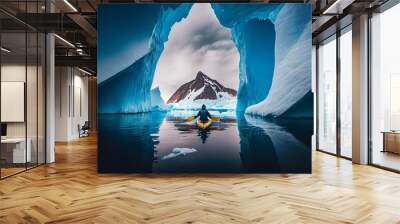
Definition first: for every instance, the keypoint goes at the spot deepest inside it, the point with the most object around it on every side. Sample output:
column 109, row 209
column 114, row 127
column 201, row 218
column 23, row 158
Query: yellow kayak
column 205, row 125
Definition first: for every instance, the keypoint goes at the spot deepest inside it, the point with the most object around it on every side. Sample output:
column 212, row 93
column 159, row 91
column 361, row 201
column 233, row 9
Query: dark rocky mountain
column 212, row 89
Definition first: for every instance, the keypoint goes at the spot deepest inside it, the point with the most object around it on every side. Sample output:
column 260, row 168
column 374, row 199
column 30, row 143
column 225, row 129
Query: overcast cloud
column 197, row 43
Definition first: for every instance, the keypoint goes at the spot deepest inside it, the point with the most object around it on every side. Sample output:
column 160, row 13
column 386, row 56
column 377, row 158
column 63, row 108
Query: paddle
column 216, row 119
column 190, row 119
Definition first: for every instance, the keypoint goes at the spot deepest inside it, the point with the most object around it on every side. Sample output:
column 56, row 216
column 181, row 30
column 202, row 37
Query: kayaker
column 203, row 114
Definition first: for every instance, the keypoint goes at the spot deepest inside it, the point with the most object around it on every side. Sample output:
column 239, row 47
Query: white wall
column 12, row 73
column 33, row 127
column 71, row 102
column 80, row 112
column 62, row 82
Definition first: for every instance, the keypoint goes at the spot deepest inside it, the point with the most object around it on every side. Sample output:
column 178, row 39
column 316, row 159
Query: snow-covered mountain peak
column 201, row 89
column 200, row 75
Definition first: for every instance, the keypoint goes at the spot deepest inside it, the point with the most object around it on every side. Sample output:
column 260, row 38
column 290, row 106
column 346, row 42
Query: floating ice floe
column 179, row 152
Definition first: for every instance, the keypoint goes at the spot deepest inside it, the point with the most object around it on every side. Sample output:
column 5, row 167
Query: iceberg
column 274, row 70
column 129, row 91
column 256, row 62
column 254, row 36
column 292, row 76
column 272, row 95
column 157, row 102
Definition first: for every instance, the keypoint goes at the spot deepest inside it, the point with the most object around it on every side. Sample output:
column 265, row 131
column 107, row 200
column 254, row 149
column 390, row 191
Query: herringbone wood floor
column 71, row 191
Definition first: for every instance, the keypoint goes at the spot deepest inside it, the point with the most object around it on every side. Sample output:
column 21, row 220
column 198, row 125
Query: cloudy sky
column 196, row 43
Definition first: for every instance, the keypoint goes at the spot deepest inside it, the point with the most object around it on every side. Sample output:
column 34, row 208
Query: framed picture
column 204, row 88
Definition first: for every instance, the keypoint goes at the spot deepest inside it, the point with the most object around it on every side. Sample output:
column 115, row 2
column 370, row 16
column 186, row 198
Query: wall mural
column 204, row 88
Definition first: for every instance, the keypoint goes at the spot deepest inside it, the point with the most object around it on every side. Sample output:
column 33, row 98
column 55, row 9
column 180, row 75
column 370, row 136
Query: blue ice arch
column 282, row 90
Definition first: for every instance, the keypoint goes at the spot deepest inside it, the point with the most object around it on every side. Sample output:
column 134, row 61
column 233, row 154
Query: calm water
column 162, row 142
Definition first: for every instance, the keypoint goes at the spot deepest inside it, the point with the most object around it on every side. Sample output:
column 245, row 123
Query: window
column 327, row 95
column 346, row 92
column 385, row 89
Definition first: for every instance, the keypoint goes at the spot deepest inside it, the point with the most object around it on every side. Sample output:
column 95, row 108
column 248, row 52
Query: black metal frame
column 338, row 152
column 369, row 98
column 389, row 4
column 0, row 87
column 44, row 80
column 316, row 97
column 338, row 98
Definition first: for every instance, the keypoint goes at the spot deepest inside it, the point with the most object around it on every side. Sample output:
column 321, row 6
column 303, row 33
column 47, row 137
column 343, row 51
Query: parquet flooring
column 71, row 191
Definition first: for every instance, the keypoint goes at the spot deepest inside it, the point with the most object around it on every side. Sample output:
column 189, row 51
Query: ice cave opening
column 197, row 43
column 200, row 43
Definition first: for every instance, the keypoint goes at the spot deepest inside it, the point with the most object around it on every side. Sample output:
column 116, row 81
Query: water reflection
column 126, row 142
column 203, row 133
column 270, row 146
column 138, row 142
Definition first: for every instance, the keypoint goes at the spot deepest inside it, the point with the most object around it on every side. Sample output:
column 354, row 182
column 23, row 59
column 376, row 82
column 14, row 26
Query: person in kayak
column 203, row 114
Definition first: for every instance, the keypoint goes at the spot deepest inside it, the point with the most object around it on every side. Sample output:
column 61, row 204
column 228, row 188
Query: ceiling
column 75, row 22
